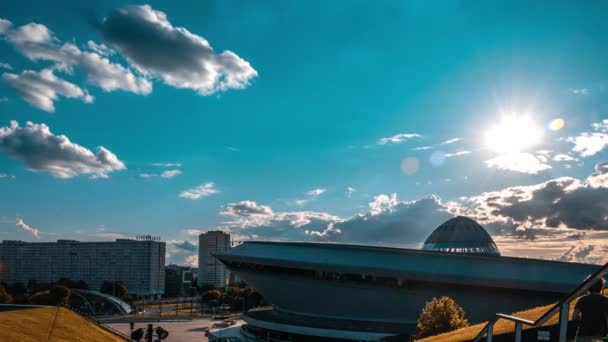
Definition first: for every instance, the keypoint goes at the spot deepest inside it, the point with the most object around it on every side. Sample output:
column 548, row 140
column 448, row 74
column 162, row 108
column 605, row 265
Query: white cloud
column 579, row 91
column 457, row 154
column 170, row 173
column 167, row 164
column 111, row 236
column 148, row 175
column 41, row 89
column 588, row 144
column 398, row 138
column 201, row 191
column 518, row 162
column 315, row 192
column 37, row 42
column 246, row 209
column 6, row 175
column 450, row 141
column 180, row 58
column 41, row 150
column 422, row 148
column 349, row 191
column 563, row 157
column 30, row 230
column 6, row 66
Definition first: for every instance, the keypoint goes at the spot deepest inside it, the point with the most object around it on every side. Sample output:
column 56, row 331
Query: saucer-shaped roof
column 461, row 235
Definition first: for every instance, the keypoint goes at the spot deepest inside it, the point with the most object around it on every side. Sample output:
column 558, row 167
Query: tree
column 59, row 295
column 117, row 289
column 439, row 316
column 5, row 297
column 71, row 284
column 212, row 297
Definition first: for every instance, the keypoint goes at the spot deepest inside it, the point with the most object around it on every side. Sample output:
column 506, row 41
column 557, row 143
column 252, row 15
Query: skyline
column 365, row 123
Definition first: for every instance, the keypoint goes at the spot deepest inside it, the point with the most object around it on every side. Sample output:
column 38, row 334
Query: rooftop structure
column 461, row 235
column 139, row 264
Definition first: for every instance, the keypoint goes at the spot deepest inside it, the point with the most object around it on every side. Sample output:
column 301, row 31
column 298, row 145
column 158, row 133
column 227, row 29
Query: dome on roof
column 461, row 235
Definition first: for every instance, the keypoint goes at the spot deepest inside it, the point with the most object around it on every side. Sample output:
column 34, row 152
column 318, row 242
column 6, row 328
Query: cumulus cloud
column 315, row 192
column 391, row 222
column 41, row 150
column 30, row 230
column 563, row 157
column 588, row 144
column 397, row 138
column 170, row 173
column 522, row 162
column 182, row 252
column 388, row 221
column 562, row 202
column 37, row 42
column 6, row 66
column 246, row 209
column 41, row 89
column 201, row 191
column 180, row 58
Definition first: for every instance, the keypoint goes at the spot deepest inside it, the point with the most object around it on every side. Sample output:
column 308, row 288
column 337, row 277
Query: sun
column 513, row 134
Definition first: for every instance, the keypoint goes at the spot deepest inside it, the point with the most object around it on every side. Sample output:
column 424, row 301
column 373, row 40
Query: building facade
column 178, row 281
column 211, row 272
column 139, row 264
column 368, row 293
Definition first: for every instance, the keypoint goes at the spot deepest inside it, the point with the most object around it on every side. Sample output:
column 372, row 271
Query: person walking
column 591, row 312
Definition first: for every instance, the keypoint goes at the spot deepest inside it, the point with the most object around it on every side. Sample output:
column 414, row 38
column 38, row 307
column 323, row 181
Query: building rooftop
column 461, row 235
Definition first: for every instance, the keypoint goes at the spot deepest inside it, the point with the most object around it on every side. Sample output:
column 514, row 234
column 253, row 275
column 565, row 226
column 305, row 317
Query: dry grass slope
column 51, row 324
column 501, row 326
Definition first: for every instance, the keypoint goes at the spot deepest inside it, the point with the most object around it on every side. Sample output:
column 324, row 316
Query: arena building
column 336, row 291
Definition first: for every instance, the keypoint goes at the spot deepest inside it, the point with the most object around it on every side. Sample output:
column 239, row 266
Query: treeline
column 239, row 296
column 56, row 293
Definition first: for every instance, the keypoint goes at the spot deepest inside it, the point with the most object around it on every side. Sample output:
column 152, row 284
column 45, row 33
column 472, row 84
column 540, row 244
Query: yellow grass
column 51, row 324
column 501, row 326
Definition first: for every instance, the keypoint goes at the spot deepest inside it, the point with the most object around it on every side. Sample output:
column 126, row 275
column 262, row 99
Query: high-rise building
column 211, row 272
column 177, row 281
column 139, row 264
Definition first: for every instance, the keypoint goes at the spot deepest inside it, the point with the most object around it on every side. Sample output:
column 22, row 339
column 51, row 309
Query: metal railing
column 562, row 307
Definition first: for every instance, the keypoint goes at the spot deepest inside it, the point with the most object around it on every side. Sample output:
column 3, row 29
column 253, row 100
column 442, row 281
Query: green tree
column 59, row 295
column 117, row 289
column 212, row 297
column 5, row 297
column 439, row 316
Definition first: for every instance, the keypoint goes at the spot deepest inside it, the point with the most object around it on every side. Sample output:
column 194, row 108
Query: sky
column 345, row 121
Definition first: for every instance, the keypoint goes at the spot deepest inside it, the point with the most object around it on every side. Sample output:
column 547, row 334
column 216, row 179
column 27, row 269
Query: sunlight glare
column 513, row 134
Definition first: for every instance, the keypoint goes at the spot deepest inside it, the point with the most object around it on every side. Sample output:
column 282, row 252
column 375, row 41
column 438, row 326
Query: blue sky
column 259, row 104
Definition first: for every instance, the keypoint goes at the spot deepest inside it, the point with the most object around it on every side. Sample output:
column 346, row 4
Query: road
column 178, row 330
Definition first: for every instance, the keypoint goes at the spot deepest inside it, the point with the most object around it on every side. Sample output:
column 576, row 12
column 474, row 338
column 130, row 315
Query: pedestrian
column 591, row 312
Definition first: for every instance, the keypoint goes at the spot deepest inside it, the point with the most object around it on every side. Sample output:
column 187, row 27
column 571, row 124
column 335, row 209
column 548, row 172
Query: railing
column 562, row 307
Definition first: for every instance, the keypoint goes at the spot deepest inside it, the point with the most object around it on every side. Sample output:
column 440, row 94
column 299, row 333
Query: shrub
column 439, row 316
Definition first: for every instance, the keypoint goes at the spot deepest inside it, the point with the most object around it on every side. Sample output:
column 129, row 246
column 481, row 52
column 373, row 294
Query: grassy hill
column 500, row 327
column 51, row 324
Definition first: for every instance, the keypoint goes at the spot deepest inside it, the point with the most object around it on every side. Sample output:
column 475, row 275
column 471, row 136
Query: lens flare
column 556, row 124
column 409, row 166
